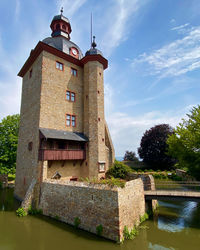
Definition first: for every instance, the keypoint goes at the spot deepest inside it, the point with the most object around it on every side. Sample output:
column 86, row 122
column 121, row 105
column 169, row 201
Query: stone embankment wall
column 149, row 184
column 94, row 205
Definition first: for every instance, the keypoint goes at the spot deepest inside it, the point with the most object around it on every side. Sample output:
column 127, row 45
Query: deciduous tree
column 153, row 147
column 130, row 156
column 9, row 127
column 184, row 143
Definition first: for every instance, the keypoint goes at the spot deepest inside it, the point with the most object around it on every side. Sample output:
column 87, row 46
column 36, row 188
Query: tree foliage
column 119, row 170
column 9, row 127
column 153, row 147
column 184, row 144
column 130, row 156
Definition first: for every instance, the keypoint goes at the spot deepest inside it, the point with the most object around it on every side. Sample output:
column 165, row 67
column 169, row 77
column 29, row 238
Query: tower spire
column 61, row 11
column 91, row 30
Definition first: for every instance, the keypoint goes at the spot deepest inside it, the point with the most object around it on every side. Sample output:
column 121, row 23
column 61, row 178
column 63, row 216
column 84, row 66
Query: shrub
column 130, row 235
column 99, row 230
column 119, row 170
column 21, row 212
column 1, row 185
column 114, row 182
column 57, row 217
column 111, row 182
column 11, row 177
column 33, row 211
column 77, row 222
column 144, row 217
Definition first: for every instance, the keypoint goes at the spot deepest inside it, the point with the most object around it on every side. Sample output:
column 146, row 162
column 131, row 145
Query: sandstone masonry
column 63, row 132
column 94, row 204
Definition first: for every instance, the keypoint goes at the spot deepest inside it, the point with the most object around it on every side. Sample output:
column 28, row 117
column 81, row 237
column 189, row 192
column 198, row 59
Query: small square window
column 74, row 72
column 30, row 73
column 101, row 167
column 30, row 146
column 59, row 66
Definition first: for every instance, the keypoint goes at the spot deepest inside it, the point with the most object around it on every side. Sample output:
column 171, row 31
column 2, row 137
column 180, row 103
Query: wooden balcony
column 61, row 154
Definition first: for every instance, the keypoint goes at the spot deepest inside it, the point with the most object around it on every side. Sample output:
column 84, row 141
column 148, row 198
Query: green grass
column 112, row 182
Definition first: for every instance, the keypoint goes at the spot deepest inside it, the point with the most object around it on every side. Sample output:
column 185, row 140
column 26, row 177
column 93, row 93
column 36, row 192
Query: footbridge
column 180, row 191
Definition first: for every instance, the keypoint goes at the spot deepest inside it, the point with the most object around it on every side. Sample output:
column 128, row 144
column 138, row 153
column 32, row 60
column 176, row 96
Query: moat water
column 176, row 225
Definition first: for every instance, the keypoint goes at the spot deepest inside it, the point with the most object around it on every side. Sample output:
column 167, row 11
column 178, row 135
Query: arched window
column 64, row 27
column 57, row 26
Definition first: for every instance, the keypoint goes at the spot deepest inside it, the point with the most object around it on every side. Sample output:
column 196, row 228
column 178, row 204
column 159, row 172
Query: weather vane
column 61, row 11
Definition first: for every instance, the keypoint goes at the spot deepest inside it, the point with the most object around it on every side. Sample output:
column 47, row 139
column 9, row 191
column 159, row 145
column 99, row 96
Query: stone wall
column 66, row 169
column 149, row 184
column 27, row 160
column 131, row 204
column 94, row 205
column 53, row 104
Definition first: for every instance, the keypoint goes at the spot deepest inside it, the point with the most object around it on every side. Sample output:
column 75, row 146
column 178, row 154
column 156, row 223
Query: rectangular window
column 101, row 167
column 59, row 66
column 73, row 121
column 70, row 96
column 68, row 120
column 74, row 72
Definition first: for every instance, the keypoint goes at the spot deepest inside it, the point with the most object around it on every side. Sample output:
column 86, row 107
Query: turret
column 60, row 26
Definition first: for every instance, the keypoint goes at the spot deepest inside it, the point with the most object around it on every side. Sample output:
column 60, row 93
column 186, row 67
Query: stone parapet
column 94, row 204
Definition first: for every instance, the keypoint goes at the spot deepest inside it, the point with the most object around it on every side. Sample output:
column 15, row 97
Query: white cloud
column 117, row 22
column 174, row 59
column 10, row 90
column 180, row 27
column 127, row 131
column 17, row 9
column 172, row 21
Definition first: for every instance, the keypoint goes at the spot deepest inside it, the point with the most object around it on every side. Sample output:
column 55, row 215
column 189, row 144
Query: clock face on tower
column 74, row 51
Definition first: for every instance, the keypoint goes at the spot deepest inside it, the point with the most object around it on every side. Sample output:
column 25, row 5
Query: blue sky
column 153, row 49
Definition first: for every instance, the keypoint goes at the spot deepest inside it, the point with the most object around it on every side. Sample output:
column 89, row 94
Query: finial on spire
column 94, row 45
column 61, row 11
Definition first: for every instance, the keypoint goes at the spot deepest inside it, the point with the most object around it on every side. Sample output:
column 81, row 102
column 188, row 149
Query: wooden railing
column 61, row 154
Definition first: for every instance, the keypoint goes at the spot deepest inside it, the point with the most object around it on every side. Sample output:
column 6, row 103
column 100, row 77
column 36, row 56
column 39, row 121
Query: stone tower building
column 63, row 132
